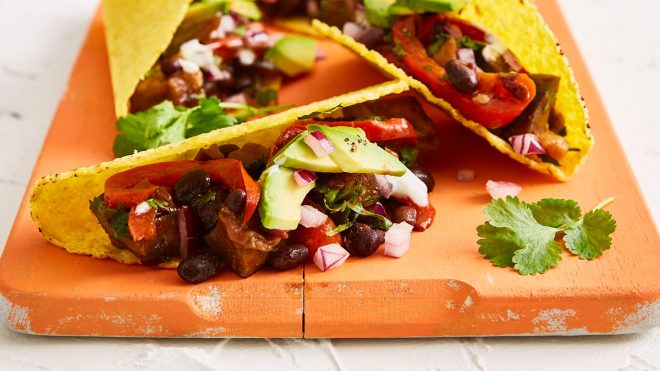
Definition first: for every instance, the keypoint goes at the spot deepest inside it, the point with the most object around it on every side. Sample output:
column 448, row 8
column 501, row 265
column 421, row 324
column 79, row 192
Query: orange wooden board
column 442, row 287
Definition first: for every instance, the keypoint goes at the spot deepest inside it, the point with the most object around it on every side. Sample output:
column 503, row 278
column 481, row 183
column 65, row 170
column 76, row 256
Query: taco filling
column 326, row 189
column 220, row 57
column 459, row 63
column 483, row 80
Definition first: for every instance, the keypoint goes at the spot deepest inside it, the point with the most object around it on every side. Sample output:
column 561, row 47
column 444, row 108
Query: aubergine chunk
column 151, row 252
column 241, row 246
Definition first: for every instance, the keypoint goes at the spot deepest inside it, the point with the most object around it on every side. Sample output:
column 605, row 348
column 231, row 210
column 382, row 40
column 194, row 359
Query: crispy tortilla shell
column 518, row 24
column 59, row 203
column 136, row 33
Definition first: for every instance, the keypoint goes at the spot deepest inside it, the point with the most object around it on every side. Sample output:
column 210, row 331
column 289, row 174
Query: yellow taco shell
column 518, row 24
column 136, row 33
column 59, row 203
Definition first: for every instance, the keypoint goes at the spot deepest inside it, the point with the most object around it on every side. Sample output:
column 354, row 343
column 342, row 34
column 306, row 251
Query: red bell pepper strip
column 136, row 185
column 376, row 130
column 506, row 95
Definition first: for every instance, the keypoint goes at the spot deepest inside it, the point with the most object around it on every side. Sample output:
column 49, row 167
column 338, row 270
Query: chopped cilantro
column 408, row 155
column 240, row 30
column 521, row 235
column 467, row 42
column 439, row 40
column 119, row 222
column 265, row 96
column 348, row 203
column 398, row 50
column 202, row 201
column 155, row 203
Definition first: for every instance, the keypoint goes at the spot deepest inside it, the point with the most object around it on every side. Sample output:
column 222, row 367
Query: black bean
column 516, row 89
column 406, row 214
column 170, row 66
column 199, row 268
column 363, row 240
column 207, row 214
column 287, row 257
column 226, row 149
column 235, row 200
column 191, row 187
column 425, row 177
column 462, row 76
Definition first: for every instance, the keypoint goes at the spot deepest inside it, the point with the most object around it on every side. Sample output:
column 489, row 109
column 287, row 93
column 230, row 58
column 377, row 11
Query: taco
column 169, row 56
column 318, row 182
column 493, row 65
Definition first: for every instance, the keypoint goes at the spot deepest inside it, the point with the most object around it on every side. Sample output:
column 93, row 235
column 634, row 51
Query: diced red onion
column 385, row 187
column 465, row 175
column 319, row 143
column 330, row 256
column 397, row 239
column 304, row 178
column 353, row 30
column 188, row 237
column 467, row 55
column 502, row 189
column 379, row 209
column 311, row 217
column 526, row 144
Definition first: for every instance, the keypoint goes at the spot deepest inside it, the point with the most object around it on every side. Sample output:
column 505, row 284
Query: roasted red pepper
column 499, row 98
column 376, row 130
column 136, row 185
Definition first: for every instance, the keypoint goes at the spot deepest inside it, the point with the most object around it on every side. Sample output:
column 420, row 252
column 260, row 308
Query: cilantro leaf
column 554, row 212
column 537, row 249
column 591, row 236
column 497, row 244
column 207, row 117
column 521, row 235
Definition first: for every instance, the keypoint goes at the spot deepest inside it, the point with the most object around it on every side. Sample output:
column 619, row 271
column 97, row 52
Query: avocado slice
column 402, row 7
column 293, row 55
column 297, row 155
column 281, row 198
column 355, row 154
column 377, row 12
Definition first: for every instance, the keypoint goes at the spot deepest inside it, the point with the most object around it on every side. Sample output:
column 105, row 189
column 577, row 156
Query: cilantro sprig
column 523, row 236
column 165, row 123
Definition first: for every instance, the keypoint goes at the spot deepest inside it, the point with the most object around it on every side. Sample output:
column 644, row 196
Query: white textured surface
column 39, row 42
